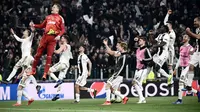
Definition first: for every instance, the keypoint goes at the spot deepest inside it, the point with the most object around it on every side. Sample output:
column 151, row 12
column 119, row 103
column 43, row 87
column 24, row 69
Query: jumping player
column 63, row 65
column 54, row 29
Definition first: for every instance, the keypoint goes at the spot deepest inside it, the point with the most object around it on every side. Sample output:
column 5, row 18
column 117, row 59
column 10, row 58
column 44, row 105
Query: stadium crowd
column 91, row 21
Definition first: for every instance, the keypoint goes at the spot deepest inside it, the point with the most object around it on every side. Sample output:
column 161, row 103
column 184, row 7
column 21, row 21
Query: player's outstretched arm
column 16, row 37
column 42, row 25
column 108, row 49
column 167, row 17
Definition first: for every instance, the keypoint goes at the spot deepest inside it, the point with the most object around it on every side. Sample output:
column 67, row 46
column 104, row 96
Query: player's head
column 81, row 49
column 163, row 29
column 55, row 8
column 64, row 39
column 26, row 33
column 142, row 41
column 186, row 38
column 121, row 46
column 197, row 22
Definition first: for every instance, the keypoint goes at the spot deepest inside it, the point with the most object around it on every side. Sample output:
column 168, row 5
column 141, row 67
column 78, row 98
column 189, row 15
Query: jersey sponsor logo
column 43, row 95
column 51, row 22
column 100, row 87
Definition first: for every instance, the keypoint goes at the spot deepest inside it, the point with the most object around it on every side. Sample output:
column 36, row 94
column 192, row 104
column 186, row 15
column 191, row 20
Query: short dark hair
column 58, row 5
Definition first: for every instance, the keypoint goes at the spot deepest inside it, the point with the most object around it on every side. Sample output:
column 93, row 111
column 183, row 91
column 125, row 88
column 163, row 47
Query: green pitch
column 154, row 104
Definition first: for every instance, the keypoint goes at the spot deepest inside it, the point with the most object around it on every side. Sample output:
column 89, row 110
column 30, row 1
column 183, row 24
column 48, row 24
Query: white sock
column 112, row 96
column 194, row 90
column 52, row 75
column 164, row 73
column 12, row 74
column 118, row 93
column 180, row 92
column 90, row 90
column 25, row 94
column 32, row 78
column 139, row 91
column 19, row 96
column 77, row 97
column 108, row 92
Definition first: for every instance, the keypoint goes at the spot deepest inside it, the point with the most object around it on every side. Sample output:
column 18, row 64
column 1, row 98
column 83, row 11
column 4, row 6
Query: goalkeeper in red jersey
column 54, row 29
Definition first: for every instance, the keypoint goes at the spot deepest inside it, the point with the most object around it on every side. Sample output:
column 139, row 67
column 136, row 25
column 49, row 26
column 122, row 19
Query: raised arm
column 42, row 25
column 167, row 17
column 108, row 49
column 16, row 37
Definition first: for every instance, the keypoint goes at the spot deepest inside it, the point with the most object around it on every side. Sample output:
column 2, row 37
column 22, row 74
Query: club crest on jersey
column 51, row 32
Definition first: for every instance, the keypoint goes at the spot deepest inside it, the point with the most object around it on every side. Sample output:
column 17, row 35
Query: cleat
column 58, row 83
column 30, row 101
column 178, row 102
column 44, row 77
column 125, row 100
column 170, row 80
column 112, row 101
column 56, row 97
column 184, row 89
column 107, row 103
column 16, row 104
column 95, row 93
column 76, row 102
column 38, row 87
column 141, row 101
column 198, row 95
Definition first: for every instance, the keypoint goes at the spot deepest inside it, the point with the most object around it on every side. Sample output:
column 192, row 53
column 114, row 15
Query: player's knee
column 189, row 88
column 191, row 68
column 76, row 86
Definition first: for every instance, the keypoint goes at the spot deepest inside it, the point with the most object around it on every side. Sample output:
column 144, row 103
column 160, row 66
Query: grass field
column 154, row 104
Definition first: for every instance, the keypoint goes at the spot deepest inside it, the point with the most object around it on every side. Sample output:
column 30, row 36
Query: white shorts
column 161, row 59
column 82, row 79
column 60, row 67
column 24, row 61
column 185, row 77
column 139, row 76
column 115, row 81
column 195, row 59
column 24, row 81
